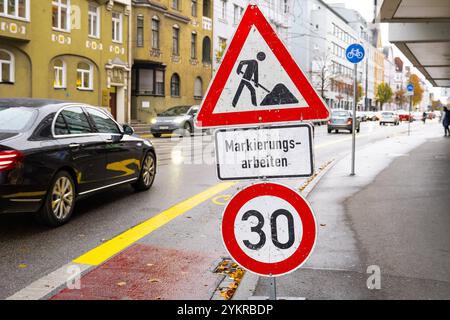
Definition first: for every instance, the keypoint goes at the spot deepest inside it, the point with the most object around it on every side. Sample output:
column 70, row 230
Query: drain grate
column 232, row 278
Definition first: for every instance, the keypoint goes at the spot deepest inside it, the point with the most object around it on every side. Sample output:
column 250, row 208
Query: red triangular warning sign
column 258, row 82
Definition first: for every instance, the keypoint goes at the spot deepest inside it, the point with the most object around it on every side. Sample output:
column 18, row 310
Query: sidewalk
column 395, row 214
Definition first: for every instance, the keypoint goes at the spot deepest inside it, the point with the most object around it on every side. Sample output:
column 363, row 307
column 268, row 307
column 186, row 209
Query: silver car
column 179, row 119
column 389, row 117
column 342, row 120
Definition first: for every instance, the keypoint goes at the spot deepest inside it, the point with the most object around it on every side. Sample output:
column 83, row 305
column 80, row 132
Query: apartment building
column 73, row 50
column 228, row 14
column 172, row 54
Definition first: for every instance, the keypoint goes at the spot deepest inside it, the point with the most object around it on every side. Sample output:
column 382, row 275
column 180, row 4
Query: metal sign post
column 409, row 117
column 259, row 84
column 410, row 93
column 354, row 53
column 355, row 92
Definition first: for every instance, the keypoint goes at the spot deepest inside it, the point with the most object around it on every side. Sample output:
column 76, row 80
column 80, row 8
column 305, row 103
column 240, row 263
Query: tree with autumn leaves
column 418, row 90
column 384, row 94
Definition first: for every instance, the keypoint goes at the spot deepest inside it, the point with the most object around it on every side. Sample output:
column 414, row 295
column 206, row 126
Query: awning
column 421, row 31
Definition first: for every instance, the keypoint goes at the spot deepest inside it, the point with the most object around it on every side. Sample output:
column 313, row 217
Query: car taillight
column 9, row 159
column 329, row 121
column 349, row 121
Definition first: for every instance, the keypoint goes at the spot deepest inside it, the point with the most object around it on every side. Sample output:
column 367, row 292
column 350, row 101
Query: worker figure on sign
column 250, row 74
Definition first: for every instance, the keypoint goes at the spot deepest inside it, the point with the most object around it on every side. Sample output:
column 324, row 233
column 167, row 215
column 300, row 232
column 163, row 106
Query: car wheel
column 188, row 130
column 336, row 131
column 147, row 175
column 60, row 201
column 329, row 130
column 156, row 135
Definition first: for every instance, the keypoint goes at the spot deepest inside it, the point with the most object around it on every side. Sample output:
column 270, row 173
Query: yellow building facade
column 74, row 50
column 172, row 53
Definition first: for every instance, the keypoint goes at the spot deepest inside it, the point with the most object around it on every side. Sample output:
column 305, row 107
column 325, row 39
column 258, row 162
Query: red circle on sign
column 302, row 208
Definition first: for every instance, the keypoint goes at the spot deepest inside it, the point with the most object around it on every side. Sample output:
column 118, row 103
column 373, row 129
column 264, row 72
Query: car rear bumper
column 15, row 199
column 340, row 126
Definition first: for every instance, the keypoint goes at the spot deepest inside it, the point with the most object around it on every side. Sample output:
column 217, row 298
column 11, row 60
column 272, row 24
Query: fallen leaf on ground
column 154, row 280
column 22, row 266
column 121, row 283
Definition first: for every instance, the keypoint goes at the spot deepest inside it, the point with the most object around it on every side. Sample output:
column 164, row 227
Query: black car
column 53, row 152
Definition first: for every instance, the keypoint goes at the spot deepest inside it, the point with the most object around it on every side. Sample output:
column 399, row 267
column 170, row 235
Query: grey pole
column 409, row 117
column 273, row 288
column 355, row 92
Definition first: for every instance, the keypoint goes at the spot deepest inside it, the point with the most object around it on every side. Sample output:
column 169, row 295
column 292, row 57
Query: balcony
column 206, row 23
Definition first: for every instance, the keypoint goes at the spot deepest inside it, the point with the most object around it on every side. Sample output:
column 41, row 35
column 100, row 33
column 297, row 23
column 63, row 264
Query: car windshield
column 16, row 119
column 175, row 111
column 340, row 114
column 387, row 114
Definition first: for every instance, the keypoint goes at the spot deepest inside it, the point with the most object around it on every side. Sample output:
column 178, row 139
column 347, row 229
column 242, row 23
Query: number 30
column 273, row 227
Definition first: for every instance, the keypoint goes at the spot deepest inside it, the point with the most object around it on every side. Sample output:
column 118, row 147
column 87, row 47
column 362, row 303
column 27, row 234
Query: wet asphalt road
column 29, row 251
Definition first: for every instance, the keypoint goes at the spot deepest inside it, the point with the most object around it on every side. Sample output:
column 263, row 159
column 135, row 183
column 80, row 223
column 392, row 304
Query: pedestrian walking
column 446, row 122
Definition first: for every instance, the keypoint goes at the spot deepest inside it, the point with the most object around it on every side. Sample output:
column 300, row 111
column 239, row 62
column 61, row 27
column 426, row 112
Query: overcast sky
column 366, row 9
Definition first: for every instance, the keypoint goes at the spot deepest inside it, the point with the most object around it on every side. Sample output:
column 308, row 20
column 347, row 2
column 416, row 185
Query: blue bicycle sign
column 410, row 87
column 355, row 53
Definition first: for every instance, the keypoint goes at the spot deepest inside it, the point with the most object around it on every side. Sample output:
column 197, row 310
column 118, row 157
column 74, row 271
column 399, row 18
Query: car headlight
column 178, row 120
column 153, row 121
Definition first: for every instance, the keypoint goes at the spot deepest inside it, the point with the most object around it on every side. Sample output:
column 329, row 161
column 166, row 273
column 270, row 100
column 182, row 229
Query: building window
column 175, row 85
column 159, row 82
column 59, row 67
column 16, row 9
column 84, row 76
column 176, row 4
column 140, row 31
column 285, row 6
column 149, row 81
column 223, row 9
column 193, row 45
column 117, row 27
column 207, row 8
column 198, row 88
column 94, row 21
column 176, row 40
column 194, row 8
column 155, row 33
column 61, row 15
column 6, row 67
column 221, row 50
column 206, row 50
column 237, row 14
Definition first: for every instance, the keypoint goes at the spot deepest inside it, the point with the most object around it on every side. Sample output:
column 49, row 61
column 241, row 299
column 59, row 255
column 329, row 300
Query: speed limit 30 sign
column 269, row 229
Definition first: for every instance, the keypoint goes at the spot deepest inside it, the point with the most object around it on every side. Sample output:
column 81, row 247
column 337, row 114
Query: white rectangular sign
column 265, row 152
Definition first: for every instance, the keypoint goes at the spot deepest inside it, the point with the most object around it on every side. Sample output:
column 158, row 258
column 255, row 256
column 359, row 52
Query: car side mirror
column 128, row 129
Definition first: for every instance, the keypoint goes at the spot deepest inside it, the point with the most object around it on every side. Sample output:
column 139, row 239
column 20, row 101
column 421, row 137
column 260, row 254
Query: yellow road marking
column 106, row 250
column 225, row 198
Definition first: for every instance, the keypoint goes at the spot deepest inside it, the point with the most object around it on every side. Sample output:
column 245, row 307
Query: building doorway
column 113, row 101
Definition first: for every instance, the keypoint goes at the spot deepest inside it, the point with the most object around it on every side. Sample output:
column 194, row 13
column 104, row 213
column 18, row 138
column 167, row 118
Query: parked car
column 372, row 116
column 176, row 119
column 362, row 115
column 404, row 115
column 342, row 120
column 389, row 117
column 53, row 153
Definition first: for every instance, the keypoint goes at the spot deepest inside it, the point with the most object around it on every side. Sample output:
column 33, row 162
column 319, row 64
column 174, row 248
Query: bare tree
column 322, row 73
